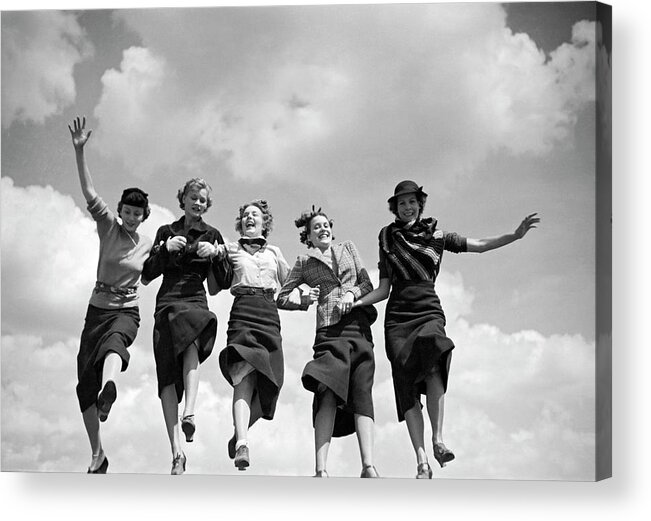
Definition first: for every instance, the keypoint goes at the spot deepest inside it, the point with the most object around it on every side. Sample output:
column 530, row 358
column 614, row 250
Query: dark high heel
column 442, row 454
column 178, row 464
column 424, row 471
column 242, row 457
column 105, row 400
column 321, row 474
column 188, row 427
column 231, row 447
column 369, row 471
column 101, row 469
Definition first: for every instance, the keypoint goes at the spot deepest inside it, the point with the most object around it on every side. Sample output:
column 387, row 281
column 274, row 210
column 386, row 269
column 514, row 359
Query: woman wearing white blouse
column 252, row 361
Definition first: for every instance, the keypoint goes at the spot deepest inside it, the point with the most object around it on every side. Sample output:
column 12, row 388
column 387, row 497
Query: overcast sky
column 489, row 108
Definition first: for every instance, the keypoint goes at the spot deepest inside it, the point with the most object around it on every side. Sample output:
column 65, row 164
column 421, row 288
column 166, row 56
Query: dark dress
column 182, row 316
column 414, row 324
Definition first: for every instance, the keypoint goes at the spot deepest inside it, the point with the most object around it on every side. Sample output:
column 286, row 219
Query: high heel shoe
column 321, row 474
column 369, row 471
column 101, row 469
column 442, row 454
column 105, row 400
column 188, row 427
column 178, row 464
column 424, row 471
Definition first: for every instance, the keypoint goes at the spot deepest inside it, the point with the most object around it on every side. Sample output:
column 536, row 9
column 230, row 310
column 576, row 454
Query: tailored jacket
column 346, row 274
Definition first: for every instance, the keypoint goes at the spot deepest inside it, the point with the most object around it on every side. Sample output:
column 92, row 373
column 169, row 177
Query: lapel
column 337, row 250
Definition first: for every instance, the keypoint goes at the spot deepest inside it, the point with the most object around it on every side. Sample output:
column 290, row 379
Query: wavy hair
column 304, row 222
column 198, row 183
column 267, row 218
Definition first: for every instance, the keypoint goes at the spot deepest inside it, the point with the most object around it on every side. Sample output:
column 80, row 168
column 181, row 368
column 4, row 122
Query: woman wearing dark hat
column 411, row 249
column 184, row 327
column 252, row 361
column 341, row 373
column 112, row 318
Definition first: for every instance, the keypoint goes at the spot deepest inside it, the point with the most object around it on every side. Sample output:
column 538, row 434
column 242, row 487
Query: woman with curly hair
column 341, row 372
column 113, row 317
column 417, row 346
column 184, row 327
column 252, row 361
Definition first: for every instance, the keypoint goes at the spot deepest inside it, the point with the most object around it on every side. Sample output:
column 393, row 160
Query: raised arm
column 491, row 243
column 80, row 136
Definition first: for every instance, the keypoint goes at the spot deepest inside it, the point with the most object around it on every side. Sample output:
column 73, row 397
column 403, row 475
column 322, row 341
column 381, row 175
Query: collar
column 199, row 225
column 252, row 241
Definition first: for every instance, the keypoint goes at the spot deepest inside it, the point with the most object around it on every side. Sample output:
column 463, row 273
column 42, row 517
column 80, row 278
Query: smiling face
column 407, row 207
column 195, row 202
column 252, row 221
column 131, row 217
column 320, row 233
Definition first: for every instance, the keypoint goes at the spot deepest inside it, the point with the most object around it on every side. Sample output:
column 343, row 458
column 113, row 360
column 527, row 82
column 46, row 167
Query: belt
column 248, row 290
column 101, row 287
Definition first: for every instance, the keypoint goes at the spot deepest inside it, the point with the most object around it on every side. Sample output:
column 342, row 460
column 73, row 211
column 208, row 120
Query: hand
column 347, row 302
column 314, row 294
column 79, row 134
column 176, row 243
column 527, row 223
column 205, row 249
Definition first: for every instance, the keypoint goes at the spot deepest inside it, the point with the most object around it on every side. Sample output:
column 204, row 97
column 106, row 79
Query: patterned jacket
column 347, row 274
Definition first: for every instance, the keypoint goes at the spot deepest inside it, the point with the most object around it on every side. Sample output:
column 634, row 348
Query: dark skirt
column 344, row 363
column 105, row 330
column 181, row 319
column 254, row 336
column 414, row 329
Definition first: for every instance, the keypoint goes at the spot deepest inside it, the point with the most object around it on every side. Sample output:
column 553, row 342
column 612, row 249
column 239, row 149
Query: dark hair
column 305, row 220
column 199, row 183
column 267, row 218
column 420, row 197
column 135, row 197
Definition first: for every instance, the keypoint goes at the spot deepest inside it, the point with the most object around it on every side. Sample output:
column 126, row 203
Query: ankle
column 240, row 443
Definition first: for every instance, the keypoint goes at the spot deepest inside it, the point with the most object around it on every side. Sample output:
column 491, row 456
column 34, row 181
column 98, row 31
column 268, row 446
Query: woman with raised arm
column 252, row 361
column 112, row 318
column 184, row 327
column 416, row 343
column 341, row 373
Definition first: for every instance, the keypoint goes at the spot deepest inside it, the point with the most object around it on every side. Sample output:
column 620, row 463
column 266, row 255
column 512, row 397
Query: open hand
column 527, row 223
column 79, row 133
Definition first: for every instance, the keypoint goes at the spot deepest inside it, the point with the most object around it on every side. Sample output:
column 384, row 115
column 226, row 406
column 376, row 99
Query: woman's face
column 131, row 217
column 252, row 221
column 195, row 202
column 407, row 207
column 320, row 233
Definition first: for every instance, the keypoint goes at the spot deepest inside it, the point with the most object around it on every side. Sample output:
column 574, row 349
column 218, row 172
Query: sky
column 492, row 110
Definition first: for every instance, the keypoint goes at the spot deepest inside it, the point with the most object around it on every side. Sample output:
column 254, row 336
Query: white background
column 626, row 495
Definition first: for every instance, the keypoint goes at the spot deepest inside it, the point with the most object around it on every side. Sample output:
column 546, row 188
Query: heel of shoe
column 106, row 399
column 369, row 471
column 188, row 427
column 442, row 454
column 424, row 471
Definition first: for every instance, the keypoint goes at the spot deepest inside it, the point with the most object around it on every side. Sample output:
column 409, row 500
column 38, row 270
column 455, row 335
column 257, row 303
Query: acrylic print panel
column 492, row 108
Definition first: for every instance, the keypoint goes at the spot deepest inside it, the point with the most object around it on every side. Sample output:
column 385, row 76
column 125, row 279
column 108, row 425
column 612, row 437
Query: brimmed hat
column 406, row 187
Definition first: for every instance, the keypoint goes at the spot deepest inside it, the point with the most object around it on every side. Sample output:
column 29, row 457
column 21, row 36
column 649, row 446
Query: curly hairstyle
column 305, row 220
column 267, row 218
column 199, row 184
column 420, row 197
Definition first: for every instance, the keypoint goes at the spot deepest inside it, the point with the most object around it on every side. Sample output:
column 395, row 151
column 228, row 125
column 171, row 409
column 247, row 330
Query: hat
column 406, row 187
column 135, row 197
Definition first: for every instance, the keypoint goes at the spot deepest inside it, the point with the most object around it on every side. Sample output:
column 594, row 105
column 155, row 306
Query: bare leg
column 91, row 422
column 112, row 367
column 190, row 378
column 171, row 416
column 242, row 395
column 435, row 405
column 324, row 424
column 416, row 428
column 364, row 426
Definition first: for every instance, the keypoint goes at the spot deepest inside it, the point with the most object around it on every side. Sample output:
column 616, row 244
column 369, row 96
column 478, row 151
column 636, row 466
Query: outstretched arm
column 375, row 296
column 491, row 243
column 80, row 136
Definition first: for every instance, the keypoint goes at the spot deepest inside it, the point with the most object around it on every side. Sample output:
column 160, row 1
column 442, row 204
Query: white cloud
column 335, row 90
column 39, row 52
column 519, row 405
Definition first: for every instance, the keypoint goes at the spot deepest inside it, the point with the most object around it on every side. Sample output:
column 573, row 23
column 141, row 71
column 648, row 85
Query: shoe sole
column 188, row 429
column 106, row 399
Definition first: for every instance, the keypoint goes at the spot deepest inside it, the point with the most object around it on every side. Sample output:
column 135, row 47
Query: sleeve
column 283, row 267
column 455, row 242
column 101, row 214
column 155, row 263
column 290, row 296
column 363, row 283
column 222, row 269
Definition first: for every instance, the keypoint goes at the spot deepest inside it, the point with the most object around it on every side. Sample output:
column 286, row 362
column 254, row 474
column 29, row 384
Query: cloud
column 337, row 90
column 39, row 52
column 519, row 406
